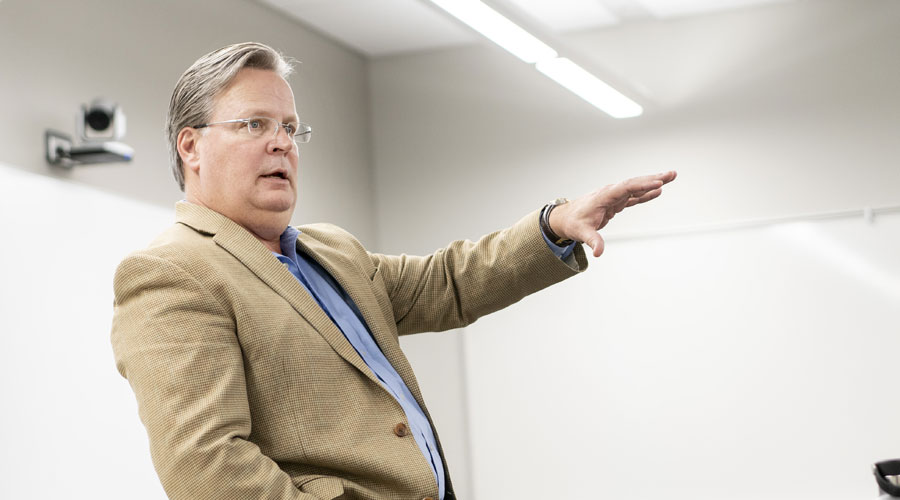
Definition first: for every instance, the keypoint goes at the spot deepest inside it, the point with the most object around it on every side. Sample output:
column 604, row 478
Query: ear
column 188, row 143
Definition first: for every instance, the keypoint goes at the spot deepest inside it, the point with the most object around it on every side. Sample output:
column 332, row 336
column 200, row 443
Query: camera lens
column 98, row 119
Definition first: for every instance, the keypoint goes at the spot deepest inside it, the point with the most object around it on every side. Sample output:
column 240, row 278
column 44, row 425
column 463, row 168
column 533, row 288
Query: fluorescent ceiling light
column 526, row 47
column 498, row 29
column 589, row 87
column 568, row 15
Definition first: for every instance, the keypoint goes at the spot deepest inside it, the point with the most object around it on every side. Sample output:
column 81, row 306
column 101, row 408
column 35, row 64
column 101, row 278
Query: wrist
column 551, row 222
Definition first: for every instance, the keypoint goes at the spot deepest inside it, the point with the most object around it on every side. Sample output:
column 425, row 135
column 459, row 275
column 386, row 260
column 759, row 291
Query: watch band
column 545, row 223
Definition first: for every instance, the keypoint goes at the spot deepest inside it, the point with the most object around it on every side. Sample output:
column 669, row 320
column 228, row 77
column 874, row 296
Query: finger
column 625, row 189
column 665, row 177
column 668, row 177
column 643, row 198
column 595, row 241
column 639, row 185
column 635, row 187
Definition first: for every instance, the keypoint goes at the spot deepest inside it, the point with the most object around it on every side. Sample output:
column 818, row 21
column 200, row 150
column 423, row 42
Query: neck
column 266, row 229
column 273, row 245
column 269, row 235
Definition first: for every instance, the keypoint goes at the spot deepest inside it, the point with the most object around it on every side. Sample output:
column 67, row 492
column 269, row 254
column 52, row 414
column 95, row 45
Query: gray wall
column 58, row 54
column 769, row 111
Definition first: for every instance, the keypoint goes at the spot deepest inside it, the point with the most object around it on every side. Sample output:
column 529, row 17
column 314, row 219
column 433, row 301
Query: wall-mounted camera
column 100, row 125
column 101, row 120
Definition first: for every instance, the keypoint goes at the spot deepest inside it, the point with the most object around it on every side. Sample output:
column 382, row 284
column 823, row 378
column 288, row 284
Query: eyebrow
column 258, row 112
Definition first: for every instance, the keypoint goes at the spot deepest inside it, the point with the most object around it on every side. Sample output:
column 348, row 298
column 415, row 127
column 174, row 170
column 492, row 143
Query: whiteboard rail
column 867, row 213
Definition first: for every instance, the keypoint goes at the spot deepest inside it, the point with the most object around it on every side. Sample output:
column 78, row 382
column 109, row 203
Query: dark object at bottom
column 887, row 474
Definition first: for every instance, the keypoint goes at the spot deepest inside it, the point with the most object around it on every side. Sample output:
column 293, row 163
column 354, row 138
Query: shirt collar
column 288, row 242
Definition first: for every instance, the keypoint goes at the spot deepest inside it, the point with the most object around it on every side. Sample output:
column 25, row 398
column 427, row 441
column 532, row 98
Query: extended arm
column 466, row 280
column 455, row 286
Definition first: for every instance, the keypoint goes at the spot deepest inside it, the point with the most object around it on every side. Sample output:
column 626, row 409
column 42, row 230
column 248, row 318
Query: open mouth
column 277, row 175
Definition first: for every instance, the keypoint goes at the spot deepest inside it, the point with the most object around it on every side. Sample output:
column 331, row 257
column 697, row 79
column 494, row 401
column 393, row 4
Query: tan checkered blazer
column 249, row 391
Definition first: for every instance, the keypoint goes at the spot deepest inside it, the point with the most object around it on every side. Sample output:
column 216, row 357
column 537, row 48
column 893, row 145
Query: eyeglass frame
column 301, row 137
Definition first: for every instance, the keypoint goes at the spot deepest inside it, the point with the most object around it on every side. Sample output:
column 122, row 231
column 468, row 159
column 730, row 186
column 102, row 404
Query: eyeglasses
column 262, row 126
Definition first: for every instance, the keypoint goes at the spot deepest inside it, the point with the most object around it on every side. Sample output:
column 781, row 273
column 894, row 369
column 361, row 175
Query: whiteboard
column 69, row 420
column 757, row 363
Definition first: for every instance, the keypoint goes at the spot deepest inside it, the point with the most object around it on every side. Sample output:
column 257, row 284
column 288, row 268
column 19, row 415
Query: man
column 265, row 358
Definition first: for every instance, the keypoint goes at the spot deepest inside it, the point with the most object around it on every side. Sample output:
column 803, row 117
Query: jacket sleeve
column 176, row 345
column 460, row 283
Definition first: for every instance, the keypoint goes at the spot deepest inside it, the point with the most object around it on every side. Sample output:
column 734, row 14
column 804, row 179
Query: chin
column 275, row 204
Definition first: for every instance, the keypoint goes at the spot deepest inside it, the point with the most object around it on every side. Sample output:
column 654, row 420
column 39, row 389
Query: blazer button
column 401, row 430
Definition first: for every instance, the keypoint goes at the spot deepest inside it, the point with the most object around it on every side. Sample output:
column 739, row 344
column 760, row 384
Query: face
column 250, row 180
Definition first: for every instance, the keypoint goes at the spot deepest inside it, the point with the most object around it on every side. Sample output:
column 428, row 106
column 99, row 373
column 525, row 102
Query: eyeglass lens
column 269, row 126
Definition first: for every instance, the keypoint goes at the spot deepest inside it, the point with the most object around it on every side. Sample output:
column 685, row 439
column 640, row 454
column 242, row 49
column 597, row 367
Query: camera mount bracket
column 62, row 152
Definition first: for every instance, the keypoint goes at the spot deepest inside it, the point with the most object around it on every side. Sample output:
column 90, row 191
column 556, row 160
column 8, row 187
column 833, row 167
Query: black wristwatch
column 545, row 223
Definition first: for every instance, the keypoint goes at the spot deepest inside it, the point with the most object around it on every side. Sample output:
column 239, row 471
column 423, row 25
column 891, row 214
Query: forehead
column 261, row 91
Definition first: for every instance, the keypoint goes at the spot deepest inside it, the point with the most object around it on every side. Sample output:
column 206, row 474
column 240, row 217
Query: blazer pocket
column 324, row 487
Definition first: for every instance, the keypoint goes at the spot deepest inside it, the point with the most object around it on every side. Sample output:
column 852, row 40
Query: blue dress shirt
column 338, row 305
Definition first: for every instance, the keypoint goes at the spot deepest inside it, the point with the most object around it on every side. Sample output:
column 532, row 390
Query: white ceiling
column 384, row 27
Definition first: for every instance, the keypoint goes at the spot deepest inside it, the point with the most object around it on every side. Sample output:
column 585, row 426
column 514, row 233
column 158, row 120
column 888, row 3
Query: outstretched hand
column 581, row 218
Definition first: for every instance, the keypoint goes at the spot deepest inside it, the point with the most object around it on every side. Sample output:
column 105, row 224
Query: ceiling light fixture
column 530, row 49
column 498, row 29
column 589, row 87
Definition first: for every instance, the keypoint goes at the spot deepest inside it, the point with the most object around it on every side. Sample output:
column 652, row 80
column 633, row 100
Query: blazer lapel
column 356, row 283
column 252, row 253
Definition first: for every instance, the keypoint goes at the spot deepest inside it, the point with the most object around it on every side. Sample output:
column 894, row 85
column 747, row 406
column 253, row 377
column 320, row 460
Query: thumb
column 596, row 243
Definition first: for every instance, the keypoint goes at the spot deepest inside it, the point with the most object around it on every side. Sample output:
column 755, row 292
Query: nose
column 282, row 142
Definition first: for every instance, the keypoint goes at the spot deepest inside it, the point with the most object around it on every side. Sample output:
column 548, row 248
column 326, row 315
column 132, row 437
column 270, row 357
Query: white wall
column 766, row 112
column 71, row 428
column 749, row 364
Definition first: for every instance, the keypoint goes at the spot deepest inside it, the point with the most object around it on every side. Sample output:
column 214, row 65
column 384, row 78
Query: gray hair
column 192, row 99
